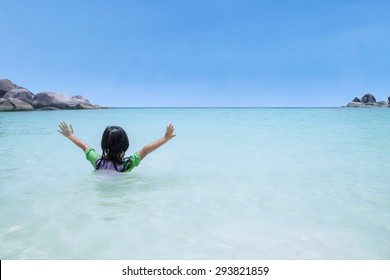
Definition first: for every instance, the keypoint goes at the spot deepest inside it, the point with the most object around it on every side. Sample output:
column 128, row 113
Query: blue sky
column 199, row 53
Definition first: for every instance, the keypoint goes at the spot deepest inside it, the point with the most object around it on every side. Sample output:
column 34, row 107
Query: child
column 114, row 145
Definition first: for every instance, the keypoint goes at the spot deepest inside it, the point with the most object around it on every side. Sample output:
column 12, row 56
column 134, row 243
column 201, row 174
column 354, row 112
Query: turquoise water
column 234, row 184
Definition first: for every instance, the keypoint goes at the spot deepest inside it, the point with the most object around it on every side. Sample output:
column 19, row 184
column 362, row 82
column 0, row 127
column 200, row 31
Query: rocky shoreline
column 368, row 101
column 16, row 98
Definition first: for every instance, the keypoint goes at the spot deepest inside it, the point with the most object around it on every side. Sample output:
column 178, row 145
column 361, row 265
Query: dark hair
column 114, row 145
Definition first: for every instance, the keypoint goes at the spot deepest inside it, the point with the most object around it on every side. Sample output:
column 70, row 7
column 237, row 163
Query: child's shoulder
column 131, row 161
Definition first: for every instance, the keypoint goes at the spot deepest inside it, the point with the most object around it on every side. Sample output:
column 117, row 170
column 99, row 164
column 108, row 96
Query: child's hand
column 169, row 134
column 65, row 129
column 158, row 143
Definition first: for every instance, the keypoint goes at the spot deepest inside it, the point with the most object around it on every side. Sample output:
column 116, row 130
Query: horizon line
column 220, row 107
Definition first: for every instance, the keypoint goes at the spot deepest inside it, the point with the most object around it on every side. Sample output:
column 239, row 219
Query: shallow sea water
column 255, row 183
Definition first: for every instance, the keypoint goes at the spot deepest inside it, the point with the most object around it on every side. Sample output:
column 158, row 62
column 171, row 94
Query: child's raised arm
column 67, row 131
column 169, row 134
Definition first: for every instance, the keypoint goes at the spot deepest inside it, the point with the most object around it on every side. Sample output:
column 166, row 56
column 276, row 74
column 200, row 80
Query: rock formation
column 6, row 86
column 16, row 98
column 60, row 101
column 367, row 98
column 21, row 94
column 368, row 101
column 356, row 100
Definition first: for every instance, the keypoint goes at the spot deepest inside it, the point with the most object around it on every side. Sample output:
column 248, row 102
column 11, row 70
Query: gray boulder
column 20, row 105
column 80, row 97
column 59, row 101
column 52, row 99
column 6, row 85
column 5, row 105
column 388, row 99
column 356, row 100
column 14, row 104
column 83, row 103
column 21, row 94
column 368, row 98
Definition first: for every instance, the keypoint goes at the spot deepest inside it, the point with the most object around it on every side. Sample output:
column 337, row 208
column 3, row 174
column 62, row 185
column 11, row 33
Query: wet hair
column 114, row 145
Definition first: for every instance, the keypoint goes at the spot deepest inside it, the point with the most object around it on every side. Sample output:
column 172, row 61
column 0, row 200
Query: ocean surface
column 243, row 183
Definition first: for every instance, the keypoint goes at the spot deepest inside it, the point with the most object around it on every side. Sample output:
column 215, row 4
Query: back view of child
column 114, row 146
